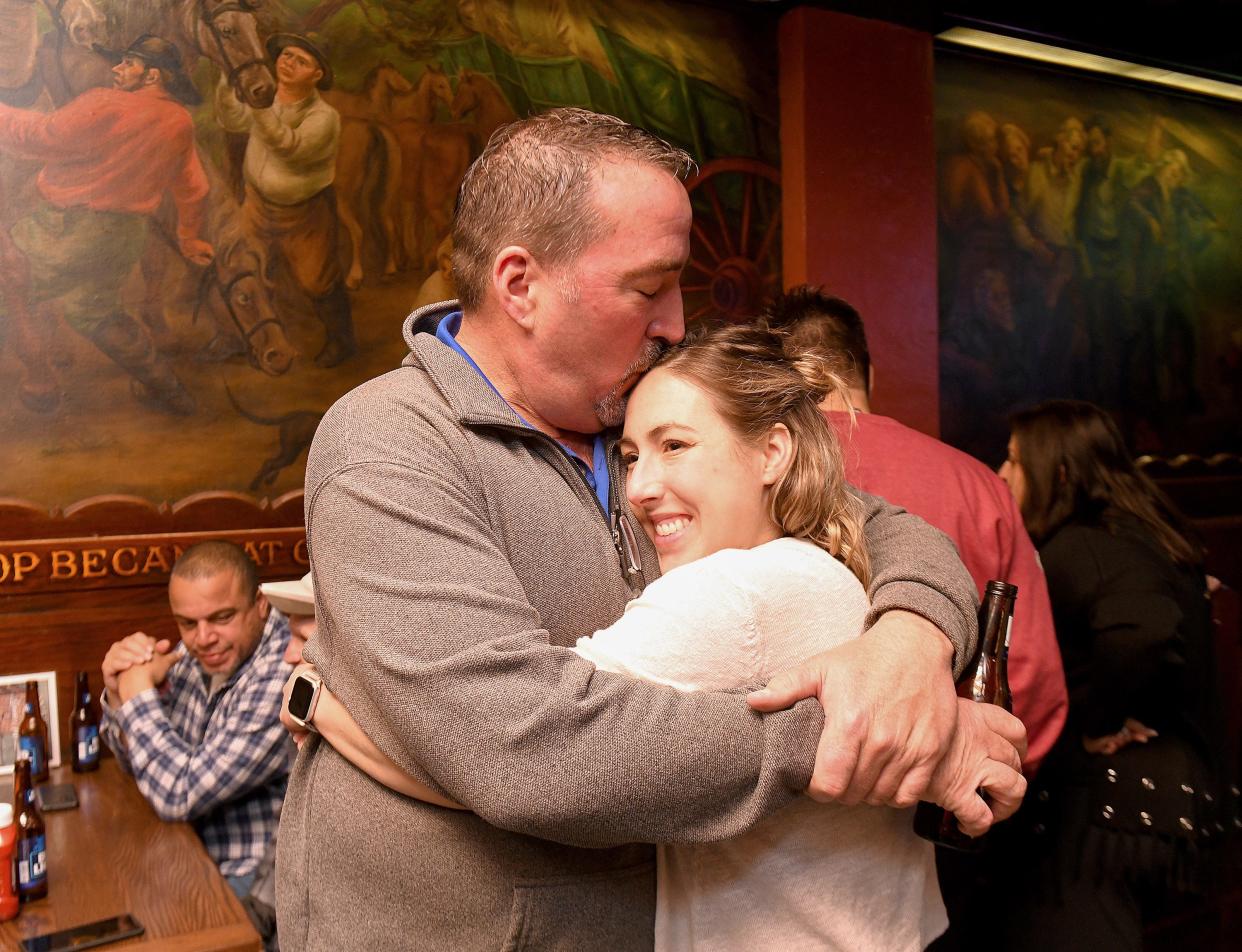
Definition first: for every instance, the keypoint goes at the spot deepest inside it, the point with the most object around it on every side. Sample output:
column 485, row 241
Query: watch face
column 300, row 698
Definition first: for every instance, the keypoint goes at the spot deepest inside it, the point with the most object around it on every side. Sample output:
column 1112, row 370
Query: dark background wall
column 1195, row 37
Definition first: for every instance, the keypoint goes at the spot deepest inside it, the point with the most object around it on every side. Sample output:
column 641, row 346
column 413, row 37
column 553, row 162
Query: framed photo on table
column 12, row 709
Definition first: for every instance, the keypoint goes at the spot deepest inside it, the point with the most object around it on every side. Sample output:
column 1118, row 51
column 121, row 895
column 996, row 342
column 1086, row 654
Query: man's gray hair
column 533, row 187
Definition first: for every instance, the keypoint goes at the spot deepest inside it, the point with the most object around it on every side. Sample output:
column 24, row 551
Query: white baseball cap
column 295, row 597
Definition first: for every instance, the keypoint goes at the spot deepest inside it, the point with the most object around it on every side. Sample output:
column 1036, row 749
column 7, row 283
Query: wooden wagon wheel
column 735, row 240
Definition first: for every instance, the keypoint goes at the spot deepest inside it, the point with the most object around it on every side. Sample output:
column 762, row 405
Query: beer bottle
column 32, row 736
column 985, row 683
column 31, row 849
column 84, row 729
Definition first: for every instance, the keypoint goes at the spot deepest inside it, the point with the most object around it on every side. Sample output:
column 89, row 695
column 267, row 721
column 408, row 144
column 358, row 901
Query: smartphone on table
column 85, row 937
column 56, row 796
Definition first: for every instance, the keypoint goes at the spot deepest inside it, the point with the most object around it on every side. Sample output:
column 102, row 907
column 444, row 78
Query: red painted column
column 859, row 181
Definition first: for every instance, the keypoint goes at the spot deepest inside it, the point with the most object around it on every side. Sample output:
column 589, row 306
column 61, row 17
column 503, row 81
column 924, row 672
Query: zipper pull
column 627, row 545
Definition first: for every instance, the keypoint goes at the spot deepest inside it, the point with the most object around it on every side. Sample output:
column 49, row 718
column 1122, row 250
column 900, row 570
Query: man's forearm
column 183, row 781
column 570, row 754
column 112, row 734
column 232, row 114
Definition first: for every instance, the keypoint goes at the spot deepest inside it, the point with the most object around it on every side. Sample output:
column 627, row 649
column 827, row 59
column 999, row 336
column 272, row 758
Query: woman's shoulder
column 1079, row 540
column 772, row 560
column 1080, row 533
column 1116, row 552
column 779, row 565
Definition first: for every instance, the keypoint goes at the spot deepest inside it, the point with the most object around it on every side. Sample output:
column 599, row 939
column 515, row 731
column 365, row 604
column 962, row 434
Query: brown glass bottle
column 84, row 728
column 32, row 736
column 986, row 682
column 31, row 848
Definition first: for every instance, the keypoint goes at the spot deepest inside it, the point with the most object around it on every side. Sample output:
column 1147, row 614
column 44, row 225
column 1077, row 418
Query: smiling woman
column 725, row 449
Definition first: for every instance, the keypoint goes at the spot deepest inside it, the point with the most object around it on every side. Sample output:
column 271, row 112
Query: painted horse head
column 227, row 32
column 469, row 93
column 80, row 20
column 384, row 78
column 234, row 290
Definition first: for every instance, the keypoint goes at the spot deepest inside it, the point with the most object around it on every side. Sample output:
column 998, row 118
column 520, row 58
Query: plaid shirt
column 218, row 760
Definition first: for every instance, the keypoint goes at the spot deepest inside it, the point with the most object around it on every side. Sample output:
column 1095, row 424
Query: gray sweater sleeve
column 428, row 638
column 916, row 567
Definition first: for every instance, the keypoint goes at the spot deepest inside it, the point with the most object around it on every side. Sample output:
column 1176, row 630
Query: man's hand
column 197, row 251
column 164, row 659
column 1132, row 732
column 133, row 681
column 140, row 677
column 889, row 711
column 138, row 648
column 985, row 754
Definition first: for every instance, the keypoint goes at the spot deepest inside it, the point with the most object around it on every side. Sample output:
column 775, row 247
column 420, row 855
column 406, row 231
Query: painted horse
column 368, row 166
column 480, row 102
column 224, row 31
column 434, row 157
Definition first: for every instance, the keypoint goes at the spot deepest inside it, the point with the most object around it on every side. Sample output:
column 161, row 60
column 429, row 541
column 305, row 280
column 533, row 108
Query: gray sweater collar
column 469, row 397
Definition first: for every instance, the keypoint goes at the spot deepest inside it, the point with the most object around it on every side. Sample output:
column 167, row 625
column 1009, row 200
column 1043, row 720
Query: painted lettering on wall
column 38, row 565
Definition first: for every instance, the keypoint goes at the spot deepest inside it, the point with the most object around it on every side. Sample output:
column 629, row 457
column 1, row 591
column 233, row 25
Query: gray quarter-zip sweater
column 457, row 555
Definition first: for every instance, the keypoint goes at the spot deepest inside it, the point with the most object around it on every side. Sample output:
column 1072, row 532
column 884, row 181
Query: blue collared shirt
column 596, row 474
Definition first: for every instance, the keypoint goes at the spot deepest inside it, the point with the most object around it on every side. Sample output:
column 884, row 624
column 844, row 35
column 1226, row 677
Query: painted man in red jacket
column 109, row 158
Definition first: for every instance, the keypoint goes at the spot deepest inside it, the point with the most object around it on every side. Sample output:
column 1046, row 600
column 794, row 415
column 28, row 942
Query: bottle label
column 32, row 863
column 88, row 744
column 38, row 757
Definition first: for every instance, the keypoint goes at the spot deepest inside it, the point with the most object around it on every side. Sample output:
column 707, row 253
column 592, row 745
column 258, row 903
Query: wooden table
column 113, row 855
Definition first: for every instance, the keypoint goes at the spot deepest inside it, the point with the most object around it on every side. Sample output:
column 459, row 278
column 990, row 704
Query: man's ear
column 518, row 282
column 265, row 607
column 777, row 453
column 152, row 76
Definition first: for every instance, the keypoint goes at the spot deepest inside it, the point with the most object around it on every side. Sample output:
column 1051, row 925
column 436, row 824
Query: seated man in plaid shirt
column 199, row 726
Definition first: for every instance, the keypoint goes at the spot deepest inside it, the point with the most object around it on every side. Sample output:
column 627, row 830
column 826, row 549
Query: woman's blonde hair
column 756, row 379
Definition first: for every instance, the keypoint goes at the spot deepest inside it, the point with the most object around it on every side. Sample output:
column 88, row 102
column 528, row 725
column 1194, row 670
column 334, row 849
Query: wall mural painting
column 189, row 277
column 1090, row 248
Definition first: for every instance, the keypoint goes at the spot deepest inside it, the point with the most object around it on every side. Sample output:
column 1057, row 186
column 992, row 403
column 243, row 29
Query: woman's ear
column 778, row 453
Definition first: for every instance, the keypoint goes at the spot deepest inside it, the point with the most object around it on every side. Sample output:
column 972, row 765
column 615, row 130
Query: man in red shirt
column 953, row 491
column 109, row 157
column 968, row 502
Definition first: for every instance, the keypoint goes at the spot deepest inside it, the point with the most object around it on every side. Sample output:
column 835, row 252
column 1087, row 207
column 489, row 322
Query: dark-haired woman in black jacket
column 1132, row 797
